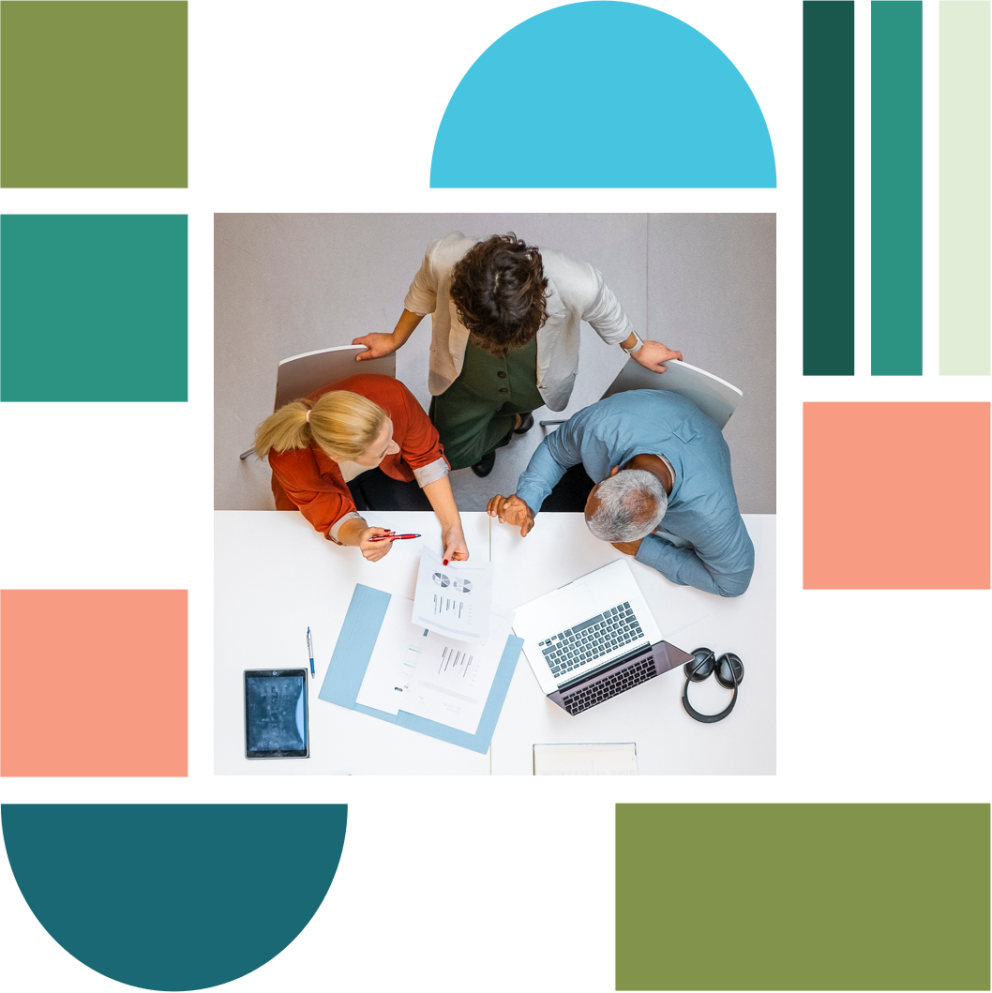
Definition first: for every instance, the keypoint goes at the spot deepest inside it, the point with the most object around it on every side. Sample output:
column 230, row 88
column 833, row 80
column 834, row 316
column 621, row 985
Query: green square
column 93, row 308
column 93, row 93
column 802, row 896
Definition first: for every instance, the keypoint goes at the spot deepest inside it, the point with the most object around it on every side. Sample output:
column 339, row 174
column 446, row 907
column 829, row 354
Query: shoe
column 526, row 423
column 485, row 465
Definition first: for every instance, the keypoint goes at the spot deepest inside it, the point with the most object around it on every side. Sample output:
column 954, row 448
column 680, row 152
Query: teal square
column 93, row 307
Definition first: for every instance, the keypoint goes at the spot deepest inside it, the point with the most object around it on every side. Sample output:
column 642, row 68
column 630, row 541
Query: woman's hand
column 455, row 549
column 653, row 353
column 374, row 550
column 377, row 344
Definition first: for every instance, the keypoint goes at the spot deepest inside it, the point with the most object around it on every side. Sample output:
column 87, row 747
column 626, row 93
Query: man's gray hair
column 631, row 505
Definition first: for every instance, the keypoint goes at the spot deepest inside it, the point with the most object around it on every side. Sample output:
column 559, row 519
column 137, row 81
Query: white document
column 453, row 599
column 432, row 675
column 618, row 759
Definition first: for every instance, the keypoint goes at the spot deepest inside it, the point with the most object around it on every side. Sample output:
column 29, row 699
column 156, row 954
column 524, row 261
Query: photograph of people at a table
column 645, row 466
column 506, row 491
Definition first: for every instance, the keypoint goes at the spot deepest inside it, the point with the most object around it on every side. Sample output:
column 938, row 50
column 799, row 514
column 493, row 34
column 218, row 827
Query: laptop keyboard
column 588, row 696
column 592, row 639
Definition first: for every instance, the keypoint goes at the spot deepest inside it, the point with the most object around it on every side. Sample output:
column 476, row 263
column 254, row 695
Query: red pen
column 392, row 537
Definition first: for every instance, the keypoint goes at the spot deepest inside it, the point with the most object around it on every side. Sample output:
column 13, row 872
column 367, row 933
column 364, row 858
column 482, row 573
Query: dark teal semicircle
column 174, row 896
column 603, row 94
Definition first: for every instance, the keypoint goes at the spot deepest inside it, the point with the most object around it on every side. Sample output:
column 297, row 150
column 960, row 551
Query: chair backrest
column 712, row 395
column 302, row 374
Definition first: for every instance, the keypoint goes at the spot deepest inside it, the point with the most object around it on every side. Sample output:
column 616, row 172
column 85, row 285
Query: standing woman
column 505, row 339
column 363, row 443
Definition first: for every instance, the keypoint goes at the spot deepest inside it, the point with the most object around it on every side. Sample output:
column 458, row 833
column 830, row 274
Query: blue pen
column 310, row 650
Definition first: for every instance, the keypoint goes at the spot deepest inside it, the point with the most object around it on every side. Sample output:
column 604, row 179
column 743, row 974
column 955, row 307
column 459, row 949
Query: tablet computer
column 277, row 716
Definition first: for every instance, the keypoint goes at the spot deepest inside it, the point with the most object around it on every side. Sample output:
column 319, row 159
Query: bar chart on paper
column 432, row 656
column 446, row 606
column 454, row 661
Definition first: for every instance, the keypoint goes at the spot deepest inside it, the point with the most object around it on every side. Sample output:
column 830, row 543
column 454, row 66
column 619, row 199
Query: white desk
column 275, row 576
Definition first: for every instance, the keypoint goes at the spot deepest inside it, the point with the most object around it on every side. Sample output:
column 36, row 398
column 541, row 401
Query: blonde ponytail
column 343, row 424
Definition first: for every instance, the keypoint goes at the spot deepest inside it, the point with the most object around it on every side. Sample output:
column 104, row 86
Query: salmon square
column 896, row 496
column 93, row 682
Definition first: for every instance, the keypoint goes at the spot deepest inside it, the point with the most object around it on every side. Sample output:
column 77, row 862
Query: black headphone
column 729, row 671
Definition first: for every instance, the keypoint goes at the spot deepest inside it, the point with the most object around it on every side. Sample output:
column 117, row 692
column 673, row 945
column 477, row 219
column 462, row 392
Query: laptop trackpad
column 576, row 603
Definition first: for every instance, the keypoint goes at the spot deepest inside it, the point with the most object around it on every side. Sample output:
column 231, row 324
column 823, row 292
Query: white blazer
column 576, row 292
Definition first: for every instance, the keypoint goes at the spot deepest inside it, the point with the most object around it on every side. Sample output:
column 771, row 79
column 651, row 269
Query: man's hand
column 653, row 354
column 627, row 547
column 374, row 550
column 455, row 549
column 379, row 345
column 512, row 510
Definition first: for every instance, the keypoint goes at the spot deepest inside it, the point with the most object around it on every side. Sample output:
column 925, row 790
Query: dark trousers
column 374, row 490
column 570, row 493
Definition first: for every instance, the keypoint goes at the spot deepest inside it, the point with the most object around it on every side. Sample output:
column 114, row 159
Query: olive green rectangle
column 964, row 188
column 802, row 897
column 93, row 93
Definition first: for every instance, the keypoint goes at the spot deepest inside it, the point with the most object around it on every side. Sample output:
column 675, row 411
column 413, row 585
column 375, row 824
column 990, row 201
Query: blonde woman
column 359, row 444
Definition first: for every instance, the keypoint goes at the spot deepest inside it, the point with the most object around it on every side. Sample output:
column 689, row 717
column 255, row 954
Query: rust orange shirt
column 309, row 480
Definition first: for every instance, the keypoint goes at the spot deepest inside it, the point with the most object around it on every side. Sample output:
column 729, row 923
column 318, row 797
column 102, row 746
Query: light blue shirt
column 702, row 506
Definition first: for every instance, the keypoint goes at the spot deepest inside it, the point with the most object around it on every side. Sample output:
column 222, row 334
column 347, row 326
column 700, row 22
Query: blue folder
column 351, row 659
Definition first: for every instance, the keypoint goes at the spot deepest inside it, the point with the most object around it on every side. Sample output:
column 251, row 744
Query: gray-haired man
column 657, row 456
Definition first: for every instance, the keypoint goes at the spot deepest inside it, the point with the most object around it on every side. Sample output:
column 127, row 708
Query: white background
column 316, row 106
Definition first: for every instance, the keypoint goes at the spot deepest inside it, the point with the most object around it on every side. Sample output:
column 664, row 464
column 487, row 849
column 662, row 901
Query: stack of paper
column 432, row 675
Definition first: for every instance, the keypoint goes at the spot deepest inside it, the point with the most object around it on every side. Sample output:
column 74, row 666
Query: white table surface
column 275, row 575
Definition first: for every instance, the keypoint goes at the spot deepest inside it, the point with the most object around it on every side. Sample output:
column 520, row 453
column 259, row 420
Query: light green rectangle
column 964, row 188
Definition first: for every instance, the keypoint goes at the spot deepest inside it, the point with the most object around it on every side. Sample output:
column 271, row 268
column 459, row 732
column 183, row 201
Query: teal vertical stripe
column 896, row 188
column 828, row 188
column 964, row 188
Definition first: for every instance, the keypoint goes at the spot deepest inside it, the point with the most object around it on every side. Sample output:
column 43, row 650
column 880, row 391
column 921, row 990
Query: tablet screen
column 276, row 713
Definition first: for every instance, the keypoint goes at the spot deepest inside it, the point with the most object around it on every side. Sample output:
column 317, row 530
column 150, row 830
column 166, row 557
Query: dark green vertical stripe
column 828, row 188
column 802, row 897
column 896, row 188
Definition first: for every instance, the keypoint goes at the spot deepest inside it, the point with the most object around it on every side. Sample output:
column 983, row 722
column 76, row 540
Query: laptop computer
column 594, row 638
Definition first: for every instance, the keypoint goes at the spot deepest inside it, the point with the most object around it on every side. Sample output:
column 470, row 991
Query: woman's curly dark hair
column 499, row 289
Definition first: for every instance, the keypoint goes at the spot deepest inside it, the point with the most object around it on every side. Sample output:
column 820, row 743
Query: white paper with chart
column 453, row 599
column 432, row 675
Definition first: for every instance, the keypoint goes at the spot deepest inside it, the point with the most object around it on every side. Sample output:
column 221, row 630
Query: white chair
column 302, row 374
column 715, row 397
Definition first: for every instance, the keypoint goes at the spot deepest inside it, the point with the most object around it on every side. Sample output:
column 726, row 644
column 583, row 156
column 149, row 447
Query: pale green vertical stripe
column 964, row 188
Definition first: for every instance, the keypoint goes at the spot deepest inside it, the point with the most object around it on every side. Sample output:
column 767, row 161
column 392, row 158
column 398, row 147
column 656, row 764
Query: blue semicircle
column 603, row 94
column 174, row 896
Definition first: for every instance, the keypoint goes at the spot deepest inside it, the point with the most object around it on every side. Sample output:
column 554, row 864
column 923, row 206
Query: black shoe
column 485, row 465
column 526, row 423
